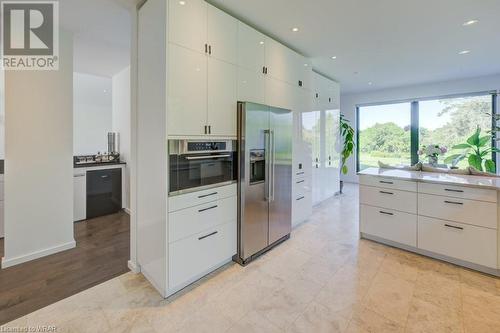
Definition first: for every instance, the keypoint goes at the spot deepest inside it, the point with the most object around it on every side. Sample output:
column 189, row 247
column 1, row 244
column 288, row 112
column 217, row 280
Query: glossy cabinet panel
column 251, row 48
column 188, row 24
column 222, row 35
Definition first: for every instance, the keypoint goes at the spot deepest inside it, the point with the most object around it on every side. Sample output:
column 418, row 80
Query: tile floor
column 322, row 280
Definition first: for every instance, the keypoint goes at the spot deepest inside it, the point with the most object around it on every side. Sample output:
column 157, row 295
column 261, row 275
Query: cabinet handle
column 263, row 70
column 385, row 213
column 206, row 236
column 209, row 129
column 453, row 202
column 206, row 48
column 206, row 129
column 104, row 176
column 385, row 182
column 266, row 70
column 209, row 49
column 207, row 195
column 298, row 199
column 452, row 190
column 300, row 173
column 300, row 181
column 384, row 192
column 205, row 209
column 453, row 226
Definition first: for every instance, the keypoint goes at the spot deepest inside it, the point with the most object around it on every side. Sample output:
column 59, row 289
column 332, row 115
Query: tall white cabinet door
column 251, row 86
column 222, row 91
column 278, row 61
column 188, row 24
column 222, row 35
column 278, row 93
column 187, row 91
column 251, row 48
column 332, row 155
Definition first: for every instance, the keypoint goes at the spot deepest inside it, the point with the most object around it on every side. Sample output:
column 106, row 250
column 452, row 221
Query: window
column 449, row 122
column 384, row 135
column 393, row 133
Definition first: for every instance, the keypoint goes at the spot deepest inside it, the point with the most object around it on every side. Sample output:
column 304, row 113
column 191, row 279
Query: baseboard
column 134, row 267
column 9, row 262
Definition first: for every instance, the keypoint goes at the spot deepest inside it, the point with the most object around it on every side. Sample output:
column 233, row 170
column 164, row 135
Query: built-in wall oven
column 197, row 164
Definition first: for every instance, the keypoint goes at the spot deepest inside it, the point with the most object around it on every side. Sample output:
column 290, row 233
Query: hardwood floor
column 101, row 253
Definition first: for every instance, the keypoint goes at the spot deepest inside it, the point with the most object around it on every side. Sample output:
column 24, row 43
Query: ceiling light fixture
column 370, row 83
column 464, row 52
column 334, row 57
column 470, row 22
column 261, row 43
column 306, row 65
column 295, row 29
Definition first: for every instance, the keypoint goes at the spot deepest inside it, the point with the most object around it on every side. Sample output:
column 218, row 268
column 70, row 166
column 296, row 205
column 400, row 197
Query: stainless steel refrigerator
column 264, row 178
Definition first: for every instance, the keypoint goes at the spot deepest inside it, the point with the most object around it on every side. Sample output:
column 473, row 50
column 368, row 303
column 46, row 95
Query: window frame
column 415, row 125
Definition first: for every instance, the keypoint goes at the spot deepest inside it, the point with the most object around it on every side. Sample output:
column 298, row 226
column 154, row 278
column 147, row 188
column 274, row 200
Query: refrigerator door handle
column 273, row 163
column 267, row 147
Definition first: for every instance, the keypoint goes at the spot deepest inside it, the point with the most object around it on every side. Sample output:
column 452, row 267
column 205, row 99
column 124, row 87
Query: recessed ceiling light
column 464, row 52
column 295, row 29
column 370, row 83
column 334, row 57
column 261, row 43
column 182, row 3
column 306, row 65
column 105, row 91
column 470, row 22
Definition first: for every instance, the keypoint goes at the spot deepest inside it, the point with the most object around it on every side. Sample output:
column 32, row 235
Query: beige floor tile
column 253, row 322
column 390, row 297
column 366, row 321
column 400, row 265
column 442, row 290
column 481, row 309
column 427, row 317
column 320, row 319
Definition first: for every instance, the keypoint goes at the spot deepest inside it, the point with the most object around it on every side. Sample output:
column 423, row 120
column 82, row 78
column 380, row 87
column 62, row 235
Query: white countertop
column 435, row 177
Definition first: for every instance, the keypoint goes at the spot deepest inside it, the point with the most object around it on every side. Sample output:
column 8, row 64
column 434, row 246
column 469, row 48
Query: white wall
column 39, row 168
column 121, row 123
column 349, row 101
column 92, row 112
column 2, row 115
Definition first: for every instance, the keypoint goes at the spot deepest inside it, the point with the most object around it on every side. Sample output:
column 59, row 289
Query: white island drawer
column 193, row 257
column 389, row 224
column 458, row 192
column 387, row 198
column 480, row 213
column 187, row 200
column 465, row 242
column 396, row 184
column 190, row 221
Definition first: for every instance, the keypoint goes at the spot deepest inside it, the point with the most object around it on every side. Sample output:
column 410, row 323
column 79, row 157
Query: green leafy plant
column 347, row 133
column 475, row 150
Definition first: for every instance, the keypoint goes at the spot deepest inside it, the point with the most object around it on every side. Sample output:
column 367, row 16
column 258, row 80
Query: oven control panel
column 206, row 146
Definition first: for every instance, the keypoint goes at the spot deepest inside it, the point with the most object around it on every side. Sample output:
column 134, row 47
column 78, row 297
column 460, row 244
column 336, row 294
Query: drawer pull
column 453, row 226
column 452, row 190
column 205, row 209
column 384, row 192
column 300, row 198
column 385, row 213
column 300, row 181
column 453, row 202
column 206, row 236
column 385, row 182
column 299, row 173
column 207, row 195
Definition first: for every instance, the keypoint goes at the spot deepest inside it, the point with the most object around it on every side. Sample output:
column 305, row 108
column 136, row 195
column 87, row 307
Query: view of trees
column 390, row 143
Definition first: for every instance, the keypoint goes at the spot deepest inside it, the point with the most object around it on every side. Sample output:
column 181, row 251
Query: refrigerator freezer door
column 253, row 125
column 280, row 205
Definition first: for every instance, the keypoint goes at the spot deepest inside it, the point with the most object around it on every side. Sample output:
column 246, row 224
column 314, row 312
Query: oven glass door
column 196, row 170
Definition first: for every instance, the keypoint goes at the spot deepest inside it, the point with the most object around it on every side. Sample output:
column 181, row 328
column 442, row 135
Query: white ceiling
column 101, row 30
column 387, row 42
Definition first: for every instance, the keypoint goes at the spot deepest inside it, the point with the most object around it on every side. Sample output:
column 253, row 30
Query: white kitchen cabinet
column 222, row 35
column 188, row 24
column 222, row 93
column 280, row 61
column 251, row 86
column 187, row 91
column 279, row 93
column 251, row 49
column 79, row 195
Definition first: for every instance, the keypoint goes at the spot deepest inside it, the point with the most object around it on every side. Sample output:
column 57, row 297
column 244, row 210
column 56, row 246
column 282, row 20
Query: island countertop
column 435, row 177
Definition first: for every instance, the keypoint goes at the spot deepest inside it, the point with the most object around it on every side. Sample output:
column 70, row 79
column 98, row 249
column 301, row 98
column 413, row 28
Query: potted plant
column 347, row 134
column 432, row 153
column 475, row 150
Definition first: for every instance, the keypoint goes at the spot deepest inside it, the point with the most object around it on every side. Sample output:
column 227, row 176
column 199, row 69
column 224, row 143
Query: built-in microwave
column 196, row 164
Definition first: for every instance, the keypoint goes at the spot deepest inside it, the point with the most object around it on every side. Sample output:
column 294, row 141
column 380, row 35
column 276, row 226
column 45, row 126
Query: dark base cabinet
column 104, row 192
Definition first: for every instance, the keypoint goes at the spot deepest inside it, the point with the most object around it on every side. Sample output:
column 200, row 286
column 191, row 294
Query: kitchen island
column 450, row 217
